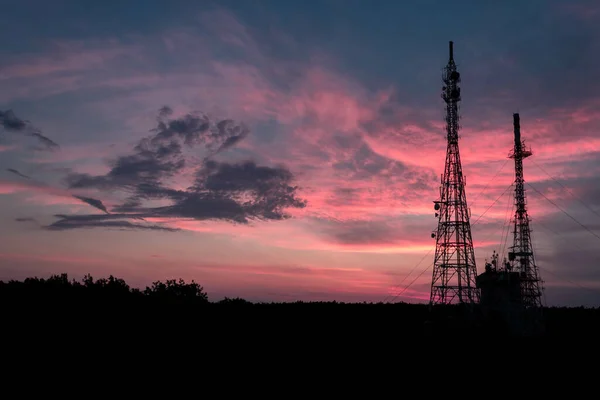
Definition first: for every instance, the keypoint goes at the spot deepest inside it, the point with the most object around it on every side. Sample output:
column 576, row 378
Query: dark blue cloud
column 237, row 192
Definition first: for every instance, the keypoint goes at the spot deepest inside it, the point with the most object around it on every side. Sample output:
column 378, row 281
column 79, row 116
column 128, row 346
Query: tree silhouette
column 177, row 290
column 110, row 303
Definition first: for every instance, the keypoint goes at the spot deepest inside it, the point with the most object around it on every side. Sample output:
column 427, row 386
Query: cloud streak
column 14, row 171
column 66, row 222
column 92, row 202
column 11, row 123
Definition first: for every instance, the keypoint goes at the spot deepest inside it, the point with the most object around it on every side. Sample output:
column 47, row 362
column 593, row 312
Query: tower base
column 502, row 305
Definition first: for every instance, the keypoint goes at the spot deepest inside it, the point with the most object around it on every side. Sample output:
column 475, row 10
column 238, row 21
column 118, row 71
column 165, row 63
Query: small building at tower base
column 500, row 296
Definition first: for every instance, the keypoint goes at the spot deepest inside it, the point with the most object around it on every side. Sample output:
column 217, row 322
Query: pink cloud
column 318, row 96
column 327, row 119
column 69, row 153
column 296, row 235
column 66, row 56
column 38, row 193
column 53, row 258
column 333, row 102
column 53, row 200
column 305, row 281
column 397, row 294
column 587, row 11
column 8, row 187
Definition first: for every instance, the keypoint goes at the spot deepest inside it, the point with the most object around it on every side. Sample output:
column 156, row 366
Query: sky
column 283, row 151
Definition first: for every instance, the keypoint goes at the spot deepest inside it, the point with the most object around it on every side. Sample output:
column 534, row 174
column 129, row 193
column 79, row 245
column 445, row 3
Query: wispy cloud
column 14, row 171
column 236, row 192
column 93, row 202
column 101, row 221
column 11, row 123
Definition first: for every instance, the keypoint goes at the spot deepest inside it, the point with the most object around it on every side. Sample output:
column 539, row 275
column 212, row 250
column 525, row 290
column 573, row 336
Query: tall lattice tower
column 454, row 269
column 520, row 254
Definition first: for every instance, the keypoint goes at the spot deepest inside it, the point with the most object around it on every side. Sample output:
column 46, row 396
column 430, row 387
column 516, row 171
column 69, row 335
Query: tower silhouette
column 520, row 254
column 454, row 269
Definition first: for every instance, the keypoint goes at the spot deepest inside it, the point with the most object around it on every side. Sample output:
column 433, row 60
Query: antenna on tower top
column 517, row 128
column 451, row 45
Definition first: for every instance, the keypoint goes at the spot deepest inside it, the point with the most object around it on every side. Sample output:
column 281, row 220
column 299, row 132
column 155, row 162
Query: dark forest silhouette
column 108, row 303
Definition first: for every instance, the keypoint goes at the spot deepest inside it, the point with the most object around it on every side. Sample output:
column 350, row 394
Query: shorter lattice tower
column 454, row 268
column 520, row 254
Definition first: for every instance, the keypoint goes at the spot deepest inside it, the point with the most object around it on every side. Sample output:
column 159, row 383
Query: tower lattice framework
column 521, row 252
column 454, row 268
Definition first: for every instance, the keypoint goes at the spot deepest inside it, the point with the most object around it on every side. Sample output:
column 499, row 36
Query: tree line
column 61, row 287
column 111, row 302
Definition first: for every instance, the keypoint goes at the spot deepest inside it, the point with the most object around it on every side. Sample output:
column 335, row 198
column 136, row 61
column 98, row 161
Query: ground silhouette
column 111, row 305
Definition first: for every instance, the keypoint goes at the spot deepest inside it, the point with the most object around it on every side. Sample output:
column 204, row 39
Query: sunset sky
column 292, row 150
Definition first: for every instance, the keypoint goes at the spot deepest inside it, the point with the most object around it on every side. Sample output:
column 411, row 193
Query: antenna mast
column 521, row 253
column 454, row 269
